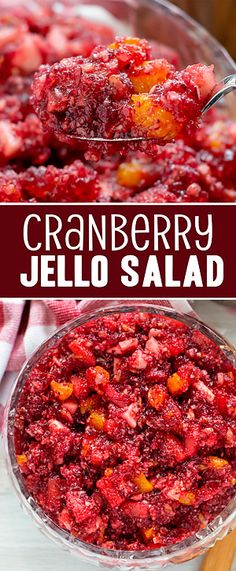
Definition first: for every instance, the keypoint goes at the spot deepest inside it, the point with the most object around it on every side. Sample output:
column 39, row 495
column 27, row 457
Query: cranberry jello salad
column 125, row 431
column 63, row 78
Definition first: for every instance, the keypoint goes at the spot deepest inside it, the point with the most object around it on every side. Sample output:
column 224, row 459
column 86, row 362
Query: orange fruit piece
column 216, row 462
column 152, row 120
column 124, row 41
column 130, row 174
column 148, row 74
column 97, row 420
column 188, row 499
column 21, row 459
column 177, row 385
column 89, row 404
column 156, row 397
column 98, row 378
column 143, row 483
column 148, row 533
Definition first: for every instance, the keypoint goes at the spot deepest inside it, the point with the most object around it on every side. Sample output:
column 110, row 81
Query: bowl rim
column 198, row 539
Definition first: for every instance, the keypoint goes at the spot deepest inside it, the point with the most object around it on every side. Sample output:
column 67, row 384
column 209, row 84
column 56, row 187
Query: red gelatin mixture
column 125, row 431
column 62, row 75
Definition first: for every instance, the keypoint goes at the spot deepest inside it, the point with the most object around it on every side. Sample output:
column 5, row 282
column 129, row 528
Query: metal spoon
column 227, row 85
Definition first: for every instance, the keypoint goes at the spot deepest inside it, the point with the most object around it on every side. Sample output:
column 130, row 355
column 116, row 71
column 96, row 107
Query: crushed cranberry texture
column 131, row 86
column 125, row 431
column 120, row 92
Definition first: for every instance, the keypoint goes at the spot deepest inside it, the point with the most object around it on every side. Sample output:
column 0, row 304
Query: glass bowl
column 162, row 21
column 124, row 560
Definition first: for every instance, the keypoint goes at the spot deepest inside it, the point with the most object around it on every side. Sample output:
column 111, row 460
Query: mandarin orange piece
column 216, row 462
column 130, row 174
column 187, row 499
column 89, row 404
column 144, row 485
column 62, row 390
column 21, row 459
column 177, row 385
column 97, row 420
column 124, row 41
column 152, row 120
column 148, row 533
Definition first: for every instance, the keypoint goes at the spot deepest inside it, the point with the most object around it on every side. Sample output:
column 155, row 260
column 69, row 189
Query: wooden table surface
column 22, row 546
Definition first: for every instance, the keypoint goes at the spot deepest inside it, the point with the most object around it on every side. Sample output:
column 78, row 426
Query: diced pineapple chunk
column 21, row 459
column 152, row 120
column 97, row 420
column 62, row 390
column 143, row 483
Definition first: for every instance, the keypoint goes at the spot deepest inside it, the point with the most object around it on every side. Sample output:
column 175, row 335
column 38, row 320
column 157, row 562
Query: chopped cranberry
column 73, row 182
column 82, row 352
column 10, row 189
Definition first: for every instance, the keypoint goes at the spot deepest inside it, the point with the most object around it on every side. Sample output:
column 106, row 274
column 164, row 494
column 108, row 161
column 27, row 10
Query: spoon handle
column 221, row 556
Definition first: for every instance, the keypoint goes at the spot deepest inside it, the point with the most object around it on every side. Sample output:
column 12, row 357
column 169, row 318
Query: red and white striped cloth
column 24, row 325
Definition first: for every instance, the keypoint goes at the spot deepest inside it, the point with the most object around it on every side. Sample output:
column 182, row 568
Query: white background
column 22, row 546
